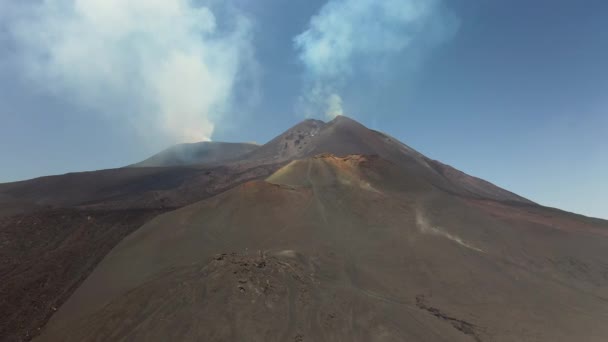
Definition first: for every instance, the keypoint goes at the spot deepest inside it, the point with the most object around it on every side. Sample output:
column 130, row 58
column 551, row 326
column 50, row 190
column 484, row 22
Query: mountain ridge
column 205, row 152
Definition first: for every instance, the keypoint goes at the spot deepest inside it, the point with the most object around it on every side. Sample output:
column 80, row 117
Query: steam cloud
column 167, row 66
column 349, row 36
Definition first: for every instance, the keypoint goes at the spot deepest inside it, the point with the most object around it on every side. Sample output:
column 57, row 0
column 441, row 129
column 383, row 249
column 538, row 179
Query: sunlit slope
column 354, row 248
column 344, row 136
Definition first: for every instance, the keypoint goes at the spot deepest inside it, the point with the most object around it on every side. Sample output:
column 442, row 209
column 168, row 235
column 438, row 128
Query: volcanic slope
column 206, row 152
column 343, row 136
column 54, row 230
column 354, row 248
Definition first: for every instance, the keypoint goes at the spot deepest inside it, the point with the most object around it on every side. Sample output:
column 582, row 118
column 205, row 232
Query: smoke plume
column 354, row 36
column 168, row 67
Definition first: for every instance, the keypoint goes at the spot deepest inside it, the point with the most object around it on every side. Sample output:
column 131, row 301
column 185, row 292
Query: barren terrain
column 329, row 232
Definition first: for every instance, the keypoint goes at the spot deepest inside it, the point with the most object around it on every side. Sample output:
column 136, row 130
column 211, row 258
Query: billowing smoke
column 167, row 66
column 353, row 36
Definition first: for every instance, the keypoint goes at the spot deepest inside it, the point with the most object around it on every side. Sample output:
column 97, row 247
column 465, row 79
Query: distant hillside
column 206, row 152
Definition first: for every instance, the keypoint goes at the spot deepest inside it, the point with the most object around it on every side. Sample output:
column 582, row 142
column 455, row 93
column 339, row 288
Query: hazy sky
column 515, row 92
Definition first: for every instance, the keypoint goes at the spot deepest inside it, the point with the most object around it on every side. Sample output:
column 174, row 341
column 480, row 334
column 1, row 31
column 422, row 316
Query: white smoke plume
column 334, row 106
column 167, row 66
column 352, row 36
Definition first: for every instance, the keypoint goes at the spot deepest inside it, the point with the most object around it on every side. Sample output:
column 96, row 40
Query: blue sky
column 515, row 92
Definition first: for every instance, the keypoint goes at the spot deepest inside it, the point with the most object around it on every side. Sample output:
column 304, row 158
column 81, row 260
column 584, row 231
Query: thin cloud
column 168, row 67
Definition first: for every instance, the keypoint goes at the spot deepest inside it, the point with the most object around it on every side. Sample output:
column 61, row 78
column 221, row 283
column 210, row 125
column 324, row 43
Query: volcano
column 329, row 232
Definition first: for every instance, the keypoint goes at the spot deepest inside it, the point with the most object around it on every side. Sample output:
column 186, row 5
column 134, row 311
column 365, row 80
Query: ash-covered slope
column 54, row 230
column 206, row 152
column 358, row 248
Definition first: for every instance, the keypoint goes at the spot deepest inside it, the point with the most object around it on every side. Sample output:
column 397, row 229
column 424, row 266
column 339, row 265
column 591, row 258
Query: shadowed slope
column 344, row 249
